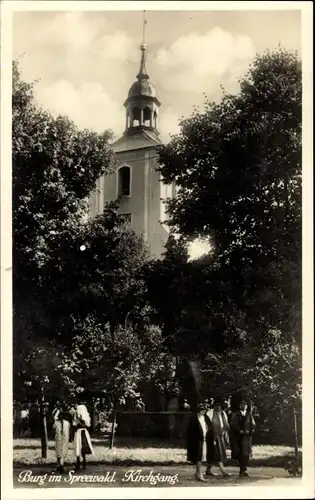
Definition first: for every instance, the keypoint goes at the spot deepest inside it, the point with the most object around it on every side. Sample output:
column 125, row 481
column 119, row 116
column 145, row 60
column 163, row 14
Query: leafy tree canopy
column 55, row 168
column 65, row 265
column 237, row 166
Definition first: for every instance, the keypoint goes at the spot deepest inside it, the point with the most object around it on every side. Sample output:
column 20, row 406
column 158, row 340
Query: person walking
column 242, row 429
column 220, row 429
column 24, row 420
column 199, row 440
column 17, row 419
column 61, row 430
column 82, row 440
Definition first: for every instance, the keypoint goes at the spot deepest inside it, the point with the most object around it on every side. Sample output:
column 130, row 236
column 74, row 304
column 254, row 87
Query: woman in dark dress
column 199, row 440
column 220, row 429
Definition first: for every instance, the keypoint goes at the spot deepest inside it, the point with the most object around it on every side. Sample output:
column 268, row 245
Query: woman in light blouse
column 199, row 440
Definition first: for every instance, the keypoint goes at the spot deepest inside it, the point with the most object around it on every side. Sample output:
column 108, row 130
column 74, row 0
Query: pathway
column 41, row 476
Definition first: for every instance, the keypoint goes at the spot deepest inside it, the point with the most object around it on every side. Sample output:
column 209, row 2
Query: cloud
column 201, row 62
column 118, row 46
column 72, row 29
column 81, row 62
column 88, row 105
column 168, row 123
column 75, row 46
column 86, row 65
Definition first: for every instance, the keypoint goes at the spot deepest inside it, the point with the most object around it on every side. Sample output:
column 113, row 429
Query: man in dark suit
column 242, row 428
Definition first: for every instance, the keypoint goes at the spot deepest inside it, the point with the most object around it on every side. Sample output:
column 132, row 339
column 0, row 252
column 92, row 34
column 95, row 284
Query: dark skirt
column 217, row 452
column 86, row 450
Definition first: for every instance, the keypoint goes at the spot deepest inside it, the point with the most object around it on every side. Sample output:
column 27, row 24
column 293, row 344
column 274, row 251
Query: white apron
column 82, row 414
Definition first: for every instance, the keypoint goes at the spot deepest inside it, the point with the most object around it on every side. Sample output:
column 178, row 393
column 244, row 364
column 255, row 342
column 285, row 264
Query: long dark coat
column 241, row 444
column 195, row 440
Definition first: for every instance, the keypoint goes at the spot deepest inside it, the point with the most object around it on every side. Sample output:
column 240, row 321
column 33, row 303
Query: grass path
column 139, row 452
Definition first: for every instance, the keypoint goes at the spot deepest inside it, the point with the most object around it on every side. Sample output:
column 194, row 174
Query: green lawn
column 128, row 451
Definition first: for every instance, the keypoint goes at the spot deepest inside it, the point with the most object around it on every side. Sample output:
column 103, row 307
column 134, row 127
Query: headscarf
column 59, row 414
column 82, row 414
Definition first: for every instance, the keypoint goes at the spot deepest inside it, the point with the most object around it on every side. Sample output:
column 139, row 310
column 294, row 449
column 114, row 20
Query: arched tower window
column 147, row 117
column 124, row 181
column 136, row 117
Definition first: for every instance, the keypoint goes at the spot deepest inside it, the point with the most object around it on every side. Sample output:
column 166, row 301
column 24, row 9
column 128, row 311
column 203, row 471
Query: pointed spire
column 143, row 75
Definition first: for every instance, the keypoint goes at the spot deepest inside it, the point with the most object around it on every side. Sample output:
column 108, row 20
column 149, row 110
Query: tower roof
column 142, row 108
column 143, row 75
column 142, row 87
column 138, row 140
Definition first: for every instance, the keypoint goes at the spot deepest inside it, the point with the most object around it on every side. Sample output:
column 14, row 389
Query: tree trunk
column 296, row 441
column 43, row 424
column 112, row 436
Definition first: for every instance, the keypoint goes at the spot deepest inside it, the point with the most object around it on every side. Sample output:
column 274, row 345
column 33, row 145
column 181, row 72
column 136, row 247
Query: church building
column 136, row 183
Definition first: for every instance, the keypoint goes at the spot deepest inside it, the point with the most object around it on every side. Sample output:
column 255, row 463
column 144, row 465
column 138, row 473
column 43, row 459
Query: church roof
column 139, row 140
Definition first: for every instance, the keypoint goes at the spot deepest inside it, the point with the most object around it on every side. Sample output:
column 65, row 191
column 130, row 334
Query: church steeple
column 142, row 105
column 143, row 75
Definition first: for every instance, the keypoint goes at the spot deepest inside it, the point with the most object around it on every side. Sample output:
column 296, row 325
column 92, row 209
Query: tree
column 166, row 281
column 237, row 166
column 270, row 375
column 55, row 168
column 96, row 270
column 118, row 366
column 65, row 266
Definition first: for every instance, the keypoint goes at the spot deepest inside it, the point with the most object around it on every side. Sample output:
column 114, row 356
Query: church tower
column 136, row 183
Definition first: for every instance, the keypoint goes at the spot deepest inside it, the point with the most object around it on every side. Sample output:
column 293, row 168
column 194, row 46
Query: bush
column 271, row 376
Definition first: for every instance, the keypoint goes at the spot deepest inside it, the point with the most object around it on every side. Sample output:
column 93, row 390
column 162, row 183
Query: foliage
column 237, row 166
column 189, row 300
column 37, row 373
column 116, row 366
column 86, row 295
column 55, row 168
column 166, row 281
column 65, row 265
column 96, row 270
column 270, row 375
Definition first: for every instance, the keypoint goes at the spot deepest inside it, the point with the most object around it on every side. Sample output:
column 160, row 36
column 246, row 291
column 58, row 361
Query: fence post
column 112, row 436
column 296, row 446
column 44, row 436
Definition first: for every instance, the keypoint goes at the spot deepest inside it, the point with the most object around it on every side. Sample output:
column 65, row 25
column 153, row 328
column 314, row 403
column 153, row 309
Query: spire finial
column 144, row 25
column 142, row 75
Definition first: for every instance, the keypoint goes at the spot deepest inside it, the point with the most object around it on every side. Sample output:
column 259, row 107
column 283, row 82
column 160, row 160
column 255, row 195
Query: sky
column 85, row 62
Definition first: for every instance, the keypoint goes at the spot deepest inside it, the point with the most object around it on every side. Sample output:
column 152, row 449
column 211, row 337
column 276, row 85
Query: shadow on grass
column 120, row 442
column 143, row 443
column 279, row 462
